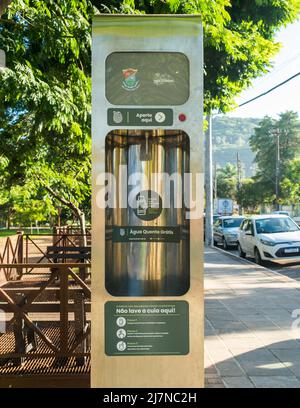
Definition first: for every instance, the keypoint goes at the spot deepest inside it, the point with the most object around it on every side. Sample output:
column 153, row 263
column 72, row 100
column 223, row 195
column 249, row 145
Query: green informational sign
column 146, row 234
column 139, row 117
column 147, row 78
column 147, row 328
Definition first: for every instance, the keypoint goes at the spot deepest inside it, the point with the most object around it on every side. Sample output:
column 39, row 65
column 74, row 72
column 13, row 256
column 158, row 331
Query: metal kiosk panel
column 147, row 245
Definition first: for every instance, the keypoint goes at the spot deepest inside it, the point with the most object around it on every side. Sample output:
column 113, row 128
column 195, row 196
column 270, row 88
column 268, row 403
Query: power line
column 270, row 90
column 278, row 69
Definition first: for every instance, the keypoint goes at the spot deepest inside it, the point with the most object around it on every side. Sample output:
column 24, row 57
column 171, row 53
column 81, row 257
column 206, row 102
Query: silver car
column 226, row 231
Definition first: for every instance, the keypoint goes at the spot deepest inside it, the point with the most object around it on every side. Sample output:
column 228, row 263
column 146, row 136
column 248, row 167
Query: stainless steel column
column 146, row 260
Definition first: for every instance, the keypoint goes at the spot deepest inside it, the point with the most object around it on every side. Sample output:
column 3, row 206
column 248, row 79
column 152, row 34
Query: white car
column 269, row 238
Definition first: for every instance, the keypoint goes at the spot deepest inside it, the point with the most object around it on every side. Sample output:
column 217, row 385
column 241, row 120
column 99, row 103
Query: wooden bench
column 66, row 254
column 63, row 253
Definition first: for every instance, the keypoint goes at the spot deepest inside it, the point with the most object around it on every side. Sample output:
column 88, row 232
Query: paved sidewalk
column 249, row 342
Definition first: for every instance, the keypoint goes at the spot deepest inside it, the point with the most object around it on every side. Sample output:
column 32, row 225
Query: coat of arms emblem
column 130, row 80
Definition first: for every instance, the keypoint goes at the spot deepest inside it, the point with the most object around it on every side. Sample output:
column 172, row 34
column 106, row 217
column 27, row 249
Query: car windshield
column 232, row 222
column 275, row 225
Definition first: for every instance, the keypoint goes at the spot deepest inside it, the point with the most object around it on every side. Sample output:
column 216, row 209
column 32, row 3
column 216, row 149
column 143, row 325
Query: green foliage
column 290, row 185
column 45, row 94
column 227, row 182
column 260, row 189
column 231, row 136
column 263, row 144
column 238, row 38
column 232, row 131
column 253, row 193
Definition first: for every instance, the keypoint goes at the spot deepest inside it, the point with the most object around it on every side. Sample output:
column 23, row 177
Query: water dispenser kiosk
column 147, row 233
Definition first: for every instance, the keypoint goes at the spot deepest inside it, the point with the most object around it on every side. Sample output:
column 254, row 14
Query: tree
column 227, row 181
column 263, row 143
column 238, row 41
column 45, row 97
column 45, row 92
column 3, row 5
column 290, row 185
column 252, row 193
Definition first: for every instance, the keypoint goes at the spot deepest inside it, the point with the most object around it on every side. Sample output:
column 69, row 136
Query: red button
column 182, row 117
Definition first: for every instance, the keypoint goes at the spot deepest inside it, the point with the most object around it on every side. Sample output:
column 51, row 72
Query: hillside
column 231, row 136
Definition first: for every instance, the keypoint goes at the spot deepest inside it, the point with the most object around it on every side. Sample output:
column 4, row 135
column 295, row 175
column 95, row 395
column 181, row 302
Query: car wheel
column 215, row 243
column 242, row 254
column 257, row 257
column 225, row 245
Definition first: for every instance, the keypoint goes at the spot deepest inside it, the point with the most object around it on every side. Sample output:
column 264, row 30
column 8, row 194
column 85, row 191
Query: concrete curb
column 259, row 267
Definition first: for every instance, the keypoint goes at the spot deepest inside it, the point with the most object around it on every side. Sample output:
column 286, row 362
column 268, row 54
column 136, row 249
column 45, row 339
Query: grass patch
column 9, row 233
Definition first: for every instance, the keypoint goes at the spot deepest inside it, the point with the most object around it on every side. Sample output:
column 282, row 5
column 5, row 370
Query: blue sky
column 286, row 64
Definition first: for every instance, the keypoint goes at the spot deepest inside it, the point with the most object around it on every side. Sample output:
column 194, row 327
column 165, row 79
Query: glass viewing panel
column 147, row 246
column 147, row 78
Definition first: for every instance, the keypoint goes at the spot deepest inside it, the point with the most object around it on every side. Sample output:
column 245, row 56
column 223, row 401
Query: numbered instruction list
column 147, row 328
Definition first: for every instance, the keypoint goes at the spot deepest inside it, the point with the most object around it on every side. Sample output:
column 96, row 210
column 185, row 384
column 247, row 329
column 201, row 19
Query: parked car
column 215, row 217
column 226, row 230
column 281, row 212
column 274, row 237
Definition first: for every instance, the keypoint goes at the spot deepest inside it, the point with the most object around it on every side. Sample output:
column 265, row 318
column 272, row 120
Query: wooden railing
column 27, row 247
column 73, row 335
column 12, row 254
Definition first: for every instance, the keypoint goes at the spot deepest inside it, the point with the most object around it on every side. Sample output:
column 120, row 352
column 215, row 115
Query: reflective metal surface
column 148, row 268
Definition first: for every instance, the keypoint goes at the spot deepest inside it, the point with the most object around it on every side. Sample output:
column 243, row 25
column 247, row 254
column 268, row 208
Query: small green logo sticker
column 130, row 80
column 148, row 205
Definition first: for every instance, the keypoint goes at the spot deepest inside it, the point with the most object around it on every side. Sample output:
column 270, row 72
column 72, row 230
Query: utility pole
column 3, row 5
column 276, row 133
column 2, row 59
column 239, row 176
column 215, row 182
column 239, row 171
column 208, row 184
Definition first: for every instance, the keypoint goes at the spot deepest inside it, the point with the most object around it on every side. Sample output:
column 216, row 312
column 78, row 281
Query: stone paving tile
column 294, row 367
column 257, row 356
column 242, row 344
column 244, row 338
column 265, row 368
column 250, row 341
column 237, row 382
column 287, row 355
column 212, row 376
column 289, row 344
column 230, row 368
column 218, row 385
column 275, row 382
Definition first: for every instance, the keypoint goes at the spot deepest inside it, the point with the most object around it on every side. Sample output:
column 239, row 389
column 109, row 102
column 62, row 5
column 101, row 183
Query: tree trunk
column 3, row 5
column 75, row 210
column 9, row 218
column 59, row 217
column 81, row 218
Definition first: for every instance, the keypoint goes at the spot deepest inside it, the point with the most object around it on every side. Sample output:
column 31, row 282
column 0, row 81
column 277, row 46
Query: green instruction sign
column 139, row 117
column 147, row 328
